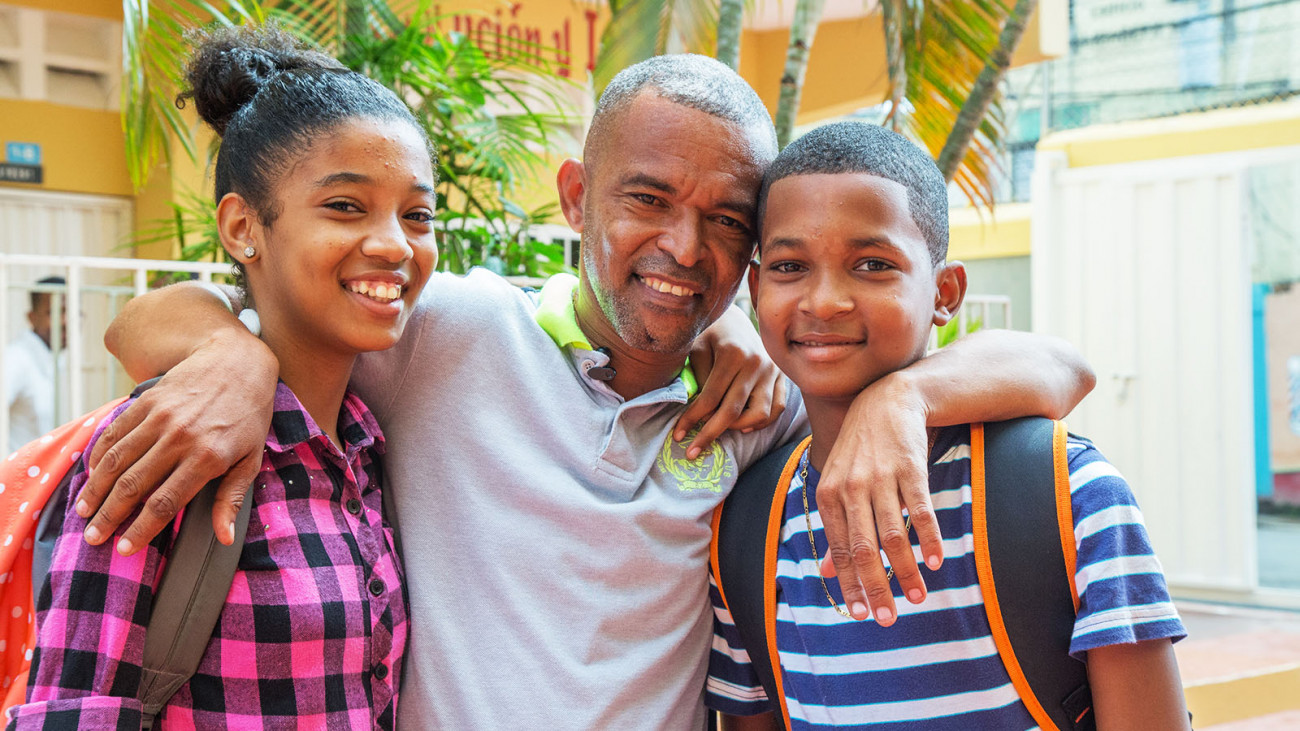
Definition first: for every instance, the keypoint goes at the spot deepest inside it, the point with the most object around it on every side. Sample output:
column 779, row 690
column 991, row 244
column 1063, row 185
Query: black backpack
column 1025, row 558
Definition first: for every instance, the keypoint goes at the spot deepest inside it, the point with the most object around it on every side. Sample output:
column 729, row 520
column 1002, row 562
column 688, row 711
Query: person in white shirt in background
column 29, row 370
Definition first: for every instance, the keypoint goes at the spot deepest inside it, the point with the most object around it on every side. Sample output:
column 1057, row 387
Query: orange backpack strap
column 28, row 478
column 743, row 560
column 1025, row 557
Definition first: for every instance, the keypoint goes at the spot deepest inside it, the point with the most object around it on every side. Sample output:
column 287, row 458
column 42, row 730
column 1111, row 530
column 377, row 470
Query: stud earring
column 250, row 252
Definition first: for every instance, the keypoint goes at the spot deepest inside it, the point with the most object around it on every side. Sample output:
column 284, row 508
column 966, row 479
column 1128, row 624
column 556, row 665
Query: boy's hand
column 740, row 387
column 207, row 417
column 877, row 467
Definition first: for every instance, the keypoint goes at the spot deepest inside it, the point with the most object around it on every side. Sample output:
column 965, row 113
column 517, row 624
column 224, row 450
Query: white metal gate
column 1146, row 267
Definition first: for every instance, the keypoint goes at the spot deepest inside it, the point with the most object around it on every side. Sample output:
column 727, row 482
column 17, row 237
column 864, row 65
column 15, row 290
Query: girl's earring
column 250, row 252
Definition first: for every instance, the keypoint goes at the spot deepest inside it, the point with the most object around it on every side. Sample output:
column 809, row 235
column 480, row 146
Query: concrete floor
column 1284, row 721
column 1225, row 640
column 1229, row 642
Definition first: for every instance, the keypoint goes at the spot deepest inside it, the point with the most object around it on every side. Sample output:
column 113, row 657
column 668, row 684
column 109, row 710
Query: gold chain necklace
column 807, row 516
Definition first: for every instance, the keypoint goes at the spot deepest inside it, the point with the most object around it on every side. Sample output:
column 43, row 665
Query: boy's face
column 846, row 292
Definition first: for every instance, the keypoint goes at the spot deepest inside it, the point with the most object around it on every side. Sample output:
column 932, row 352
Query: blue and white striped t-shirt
column 937, row 667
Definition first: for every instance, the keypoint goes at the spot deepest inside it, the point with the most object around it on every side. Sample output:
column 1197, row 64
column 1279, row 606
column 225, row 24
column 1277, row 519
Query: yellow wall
column 1224, row 130
column 111, row 9
column 81, row 149
column 1000, row 233
column 1005, row 232
column 846, row 69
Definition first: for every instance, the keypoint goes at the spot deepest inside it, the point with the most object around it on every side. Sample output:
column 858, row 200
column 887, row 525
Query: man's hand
column 877, row 466
column 879, row 463
column 206, row 418
column 741, row 388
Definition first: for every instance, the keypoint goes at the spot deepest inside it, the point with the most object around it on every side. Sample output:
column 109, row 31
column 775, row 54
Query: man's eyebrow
column 649, row 182
column 745, row 209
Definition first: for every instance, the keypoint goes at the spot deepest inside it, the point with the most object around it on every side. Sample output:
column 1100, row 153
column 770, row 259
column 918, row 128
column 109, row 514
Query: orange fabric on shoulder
column 27, row 478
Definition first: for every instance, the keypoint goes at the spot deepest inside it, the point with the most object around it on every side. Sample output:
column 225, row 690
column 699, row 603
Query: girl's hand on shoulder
column 740, row 387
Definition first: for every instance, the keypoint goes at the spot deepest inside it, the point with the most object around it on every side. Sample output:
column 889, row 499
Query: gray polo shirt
column 555, row 537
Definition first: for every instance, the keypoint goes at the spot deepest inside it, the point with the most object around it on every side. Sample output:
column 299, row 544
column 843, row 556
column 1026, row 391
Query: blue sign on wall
column 23, row 153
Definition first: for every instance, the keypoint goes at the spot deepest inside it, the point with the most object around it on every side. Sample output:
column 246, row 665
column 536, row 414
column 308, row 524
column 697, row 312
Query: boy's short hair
column 857, row 147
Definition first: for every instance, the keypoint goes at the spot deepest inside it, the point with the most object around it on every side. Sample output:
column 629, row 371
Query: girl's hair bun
column 230, row 65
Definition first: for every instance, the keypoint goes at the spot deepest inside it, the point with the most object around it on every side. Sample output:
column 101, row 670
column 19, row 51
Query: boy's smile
column 846, row 291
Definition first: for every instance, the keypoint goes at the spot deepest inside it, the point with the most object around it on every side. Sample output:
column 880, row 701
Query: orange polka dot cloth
column 27, row 478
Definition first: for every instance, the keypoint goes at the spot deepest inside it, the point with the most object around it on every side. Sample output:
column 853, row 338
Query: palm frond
column 944, row 54
column 642, row 28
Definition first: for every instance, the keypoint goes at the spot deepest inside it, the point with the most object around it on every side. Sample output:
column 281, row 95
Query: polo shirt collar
column 555, row 315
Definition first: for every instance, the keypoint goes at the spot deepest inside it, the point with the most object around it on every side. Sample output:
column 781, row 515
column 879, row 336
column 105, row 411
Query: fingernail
column 746, row 431
column 230, row 531
column 83, row 508
column 692, row 453
column 93, row 535
column 934, row 562
column 859, row 611
column 125, row 547
column 679, row 435
column 884, row 615
column 914, row 595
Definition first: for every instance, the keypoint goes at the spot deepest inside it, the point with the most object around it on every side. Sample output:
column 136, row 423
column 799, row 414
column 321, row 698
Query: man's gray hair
column 694, row 81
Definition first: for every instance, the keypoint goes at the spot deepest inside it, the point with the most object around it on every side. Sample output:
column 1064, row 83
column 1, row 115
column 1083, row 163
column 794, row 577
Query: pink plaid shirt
column 314, row 626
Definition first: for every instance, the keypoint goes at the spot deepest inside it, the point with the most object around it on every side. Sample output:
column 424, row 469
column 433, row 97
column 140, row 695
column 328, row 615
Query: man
column 30, row 371
column 554, row 527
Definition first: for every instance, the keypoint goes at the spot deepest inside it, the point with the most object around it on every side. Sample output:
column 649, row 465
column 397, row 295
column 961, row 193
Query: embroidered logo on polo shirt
column 705, row 472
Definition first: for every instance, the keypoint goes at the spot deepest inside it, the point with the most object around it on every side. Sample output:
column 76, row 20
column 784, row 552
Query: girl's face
column 352, row 243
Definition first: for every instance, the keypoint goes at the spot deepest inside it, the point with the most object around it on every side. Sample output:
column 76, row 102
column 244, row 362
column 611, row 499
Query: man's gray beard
column 622, row 316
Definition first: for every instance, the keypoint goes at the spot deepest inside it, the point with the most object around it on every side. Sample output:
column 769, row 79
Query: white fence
column 97, row 287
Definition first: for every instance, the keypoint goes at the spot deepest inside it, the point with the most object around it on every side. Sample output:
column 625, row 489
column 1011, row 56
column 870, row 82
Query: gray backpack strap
column 189, row 600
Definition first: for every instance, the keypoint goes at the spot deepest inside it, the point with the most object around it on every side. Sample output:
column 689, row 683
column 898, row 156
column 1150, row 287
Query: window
column 59, row 57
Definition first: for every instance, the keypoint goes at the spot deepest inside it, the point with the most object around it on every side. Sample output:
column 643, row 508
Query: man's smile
column 666, row 287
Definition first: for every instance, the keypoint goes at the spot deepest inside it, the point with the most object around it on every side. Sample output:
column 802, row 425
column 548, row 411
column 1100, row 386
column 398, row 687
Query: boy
column 853, row 240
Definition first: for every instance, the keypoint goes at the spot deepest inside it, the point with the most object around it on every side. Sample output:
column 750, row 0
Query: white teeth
column 659, row 285
column 378, row 291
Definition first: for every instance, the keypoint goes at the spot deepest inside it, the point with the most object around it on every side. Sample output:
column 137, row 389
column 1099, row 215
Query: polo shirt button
column 381, row 671
column 354, row 506
column 376, row 587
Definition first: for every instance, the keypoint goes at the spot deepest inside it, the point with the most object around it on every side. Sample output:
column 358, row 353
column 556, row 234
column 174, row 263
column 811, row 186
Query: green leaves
column 491, row 117
column 944, row 54
column 639, row 29
column 936, row 49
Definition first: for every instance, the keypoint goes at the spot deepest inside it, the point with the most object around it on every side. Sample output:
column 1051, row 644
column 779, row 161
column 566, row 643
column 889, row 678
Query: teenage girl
column 324, row 183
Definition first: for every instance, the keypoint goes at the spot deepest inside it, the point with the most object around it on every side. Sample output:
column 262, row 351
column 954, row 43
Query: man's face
column 667, row 220
column 846, row 291
column 41, row 319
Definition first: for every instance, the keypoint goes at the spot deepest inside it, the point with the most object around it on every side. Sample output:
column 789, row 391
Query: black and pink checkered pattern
column 314, row 626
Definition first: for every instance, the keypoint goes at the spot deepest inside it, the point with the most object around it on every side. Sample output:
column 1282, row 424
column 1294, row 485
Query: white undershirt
column 29, row 375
